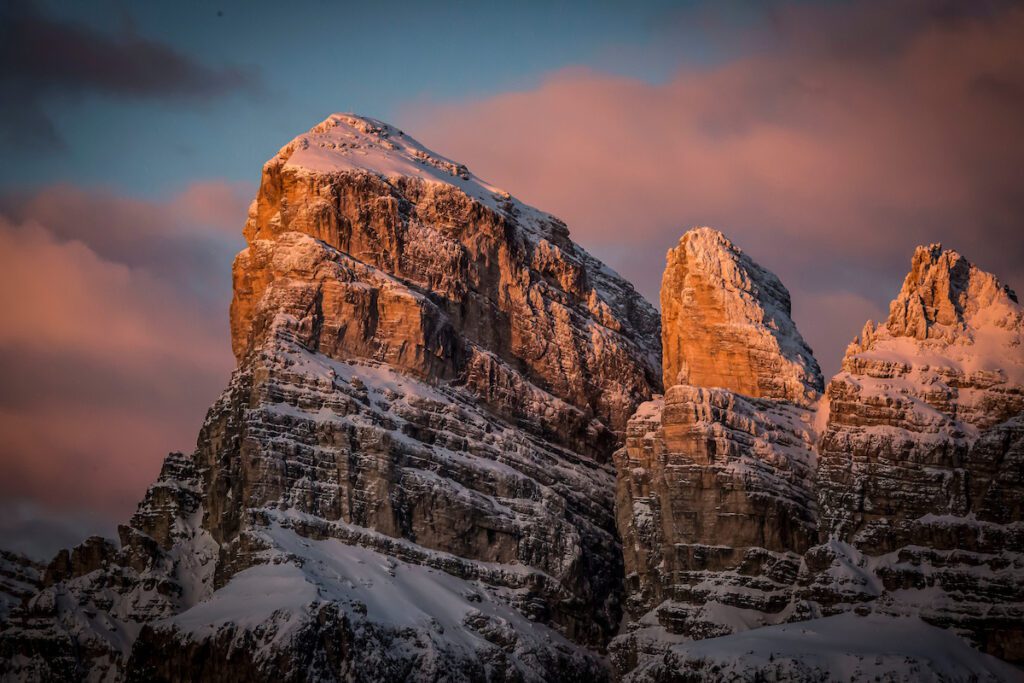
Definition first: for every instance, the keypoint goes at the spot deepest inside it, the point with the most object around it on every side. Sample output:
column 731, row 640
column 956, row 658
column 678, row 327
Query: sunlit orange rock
column 715, row 498
column 726, row 323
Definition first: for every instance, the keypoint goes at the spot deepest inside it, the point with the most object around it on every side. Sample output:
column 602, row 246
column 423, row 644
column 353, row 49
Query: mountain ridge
column 448, row 453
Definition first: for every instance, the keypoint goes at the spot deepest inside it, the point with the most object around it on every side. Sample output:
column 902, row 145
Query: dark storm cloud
column 43, row 56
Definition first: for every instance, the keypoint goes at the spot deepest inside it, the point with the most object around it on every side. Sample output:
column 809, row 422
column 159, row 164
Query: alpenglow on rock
column 444, row 418
column 715, row 499
column 726, row 323
column 409, row 475
column 921, row 469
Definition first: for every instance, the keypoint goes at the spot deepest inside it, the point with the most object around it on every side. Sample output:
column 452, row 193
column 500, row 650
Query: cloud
column 182, row 240
column 43, row 56
column 115, row 339
column 827, row 149
column 31, row 530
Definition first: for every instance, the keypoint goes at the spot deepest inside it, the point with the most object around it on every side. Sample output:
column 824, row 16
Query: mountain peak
column 360, row 146
column 942, row 294
column 349, row 142
column 949, row 313
column 726, row 323
column 344, row 141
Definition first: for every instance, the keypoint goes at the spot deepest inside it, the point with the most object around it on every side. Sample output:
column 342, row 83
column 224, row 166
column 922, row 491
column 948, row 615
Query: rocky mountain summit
column 409, row 476
column 736, row 514
column 726, row 323
column 447, row 454
column 715, row 492
column 921, row 469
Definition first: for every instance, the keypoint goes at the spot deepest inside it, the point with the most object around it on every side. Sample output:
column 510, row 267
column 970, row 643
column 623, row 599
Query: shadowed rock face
column 715, row 499
column 409, row 475
column 19, row 579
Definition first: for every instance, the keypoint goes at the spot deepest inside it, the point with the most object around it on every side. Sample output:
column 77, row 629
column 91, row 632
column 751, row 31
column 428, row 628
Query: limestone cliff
column 409, row 475
column 726, row 323
column 444, row 419
column 921, row 477
column 735, row 515
column 715, row 499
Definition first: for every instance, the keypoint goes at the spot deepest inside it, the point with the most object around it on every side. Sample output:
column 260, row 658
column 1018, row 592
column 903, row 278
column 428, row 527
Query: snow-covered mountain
column 921, row 466
column 716, row 501
column 409, row 476
column 737, row 515
column 446, row 455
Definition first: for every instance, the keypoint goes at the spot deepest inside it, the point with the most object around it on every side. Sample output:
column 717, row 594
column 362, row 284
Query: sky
column 827, row 139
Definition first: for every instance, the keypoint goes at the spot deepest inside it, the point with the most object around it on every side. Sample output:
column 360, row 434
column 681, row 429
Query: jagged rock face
column 367, row 448
column 470, row 284
column 715, row 499
column 409, row 476
column 97, row 597
column 920, row 473
column 919, row 487
column 726, row 323
column 20, row 578
column 942, row 297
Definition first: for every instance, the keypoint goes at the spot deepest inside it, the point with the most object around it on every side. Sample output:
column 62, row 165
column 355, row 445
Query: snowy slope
column 844, row 648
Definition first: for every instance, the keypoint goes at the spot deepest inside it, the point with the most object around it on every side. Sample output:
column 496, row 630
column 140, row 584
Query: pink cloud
column 115, row 339
column 218, row 204
column 827, row 164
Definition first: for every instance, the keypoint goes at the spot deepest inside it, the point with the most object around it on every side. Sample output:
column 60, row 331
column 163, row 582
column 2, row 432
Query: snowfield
column 846, row 647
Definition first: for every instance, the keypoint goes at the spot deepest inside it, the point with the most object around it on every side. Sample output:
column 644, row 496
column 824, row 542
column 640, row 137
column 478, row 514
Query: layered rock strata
column 409, row 475
column 910, row 517
column 715, row 497
column 726, row 323
column 921, row 474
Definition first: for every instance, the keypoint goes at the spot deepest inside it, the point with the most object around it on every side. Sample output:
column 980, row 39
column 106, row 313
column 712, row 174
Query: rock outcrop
column 726, row 323
column 715, row 498
column 20, row 578
column 907, row 507
column 445, row 417
column 921, row 474
column 409, row 476
column 443, row 276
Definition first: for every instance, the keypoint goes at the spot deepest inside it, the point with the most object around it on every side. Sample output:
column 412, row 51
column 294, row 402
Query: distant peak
column 948, row 313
